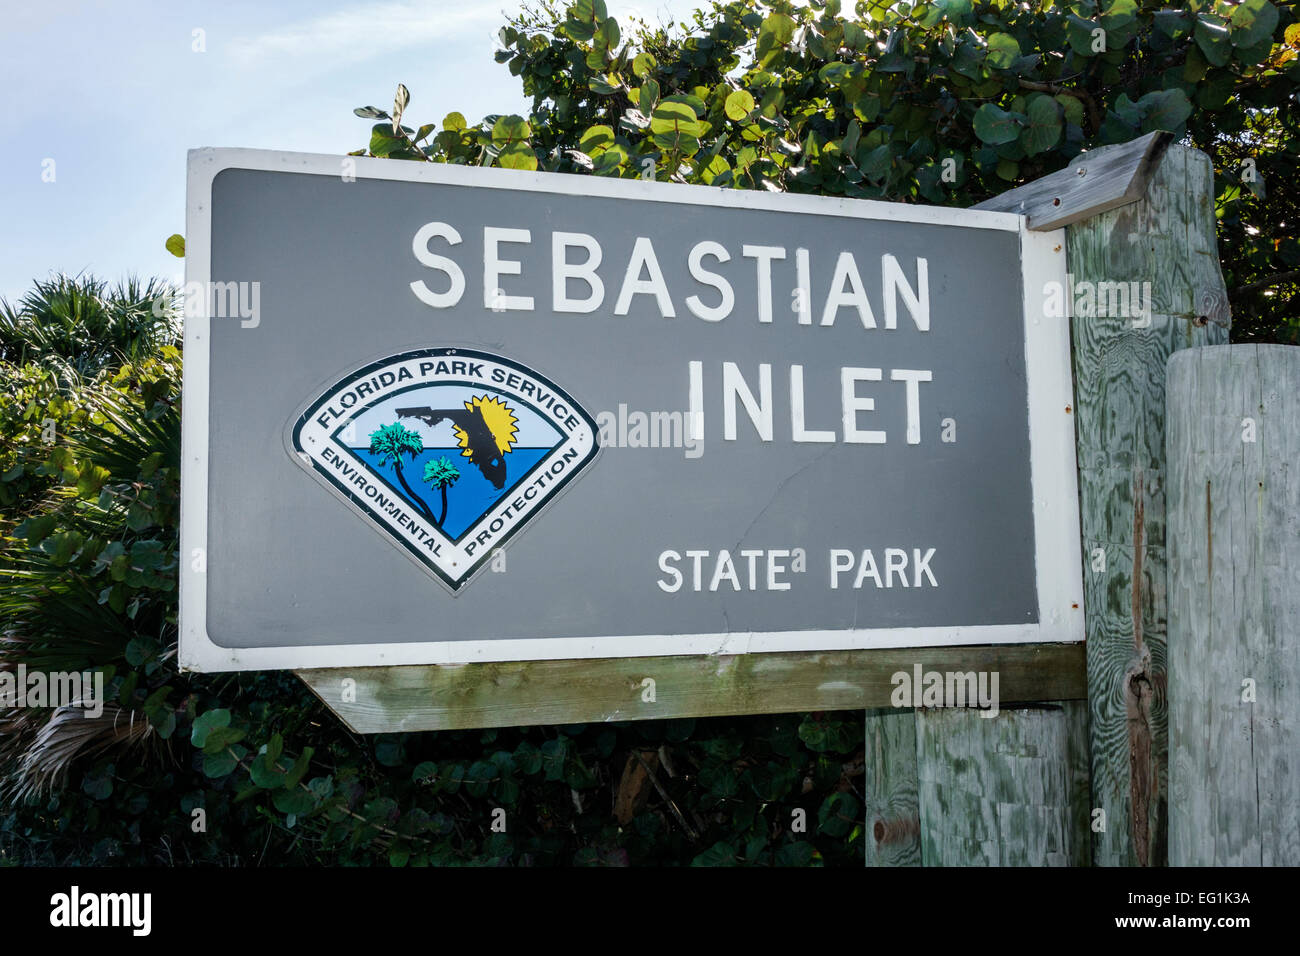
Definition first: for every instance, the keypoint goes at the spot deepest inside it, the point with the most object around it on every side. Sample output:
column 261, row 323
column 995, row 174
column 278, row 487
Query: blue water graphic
column 469, row 497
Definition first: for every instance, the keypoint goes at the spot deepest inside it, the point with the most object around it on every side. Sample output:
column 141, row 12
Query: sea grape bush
column 945, row 102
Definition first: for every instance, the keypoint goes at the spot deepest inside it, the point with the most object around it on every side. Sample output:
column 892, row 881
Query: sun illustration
column 499, row 419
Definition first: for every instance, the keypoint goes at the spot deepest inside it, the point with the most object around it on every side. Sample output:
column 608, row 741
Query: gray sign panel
column 435, row 414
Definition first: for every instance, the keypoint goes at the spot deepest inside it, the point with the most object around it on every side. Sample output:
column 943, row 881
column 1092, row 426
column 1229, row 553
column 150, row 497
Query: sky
column 101, row 101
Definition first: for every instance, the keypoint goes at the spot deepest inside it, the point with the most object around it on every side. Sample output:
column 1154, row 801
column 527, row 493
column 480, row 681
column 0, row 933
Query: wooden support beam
column 1009, row 790
column 1093, row 183
column 1166, row 239
column 514, row 694
column 1234, row 606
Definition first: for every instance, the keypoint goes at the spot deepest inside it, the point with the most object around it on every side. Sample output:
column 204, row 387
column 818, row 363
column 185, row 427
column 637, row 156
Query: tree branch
column 1276, row 279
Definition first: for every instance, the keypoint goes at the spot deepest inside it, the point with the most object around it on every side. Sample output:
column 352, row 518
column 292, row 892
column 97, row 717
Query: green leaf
column 370, row 112
column 480, row 777
column 644, row 64
column 995, row 126
column 957, row 12
column 298, row 802
column 90, row 479
column 877, row 162
column 1252, row 22
column 206, row 723
column 697, row 105
column 596, row 139
column 62, row 547
column 554, row 753
column 608, row 33
column 604, row 85
column 648, row 97
column 610, row 161
column 720, row 780
column 798, row 853
column 720, row 854
column 855, row 38
column 265, row 773
column 1045, row 124
column 528, row 758
column 776, row 31
column 773, row 781
column 1164, row 110
column 1213, row 39
column 739, row 104
column 1073, row 107
column 509, row 130
column 838, row 814
column 675, row 128
column 454, row 121
column 1003, row 50
column 176, row 245
column 1081, row 35
column 1173, row 23
column 400, row 101
column 98, row 785
column 220, row 738
column 382, row 141
column 35, row 530
column 517, row 156
column 219, row 765
column 299, row 769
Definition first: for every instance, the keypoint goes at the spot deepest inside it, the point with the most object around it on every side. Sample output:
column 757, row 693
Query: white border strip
column 1051, row 434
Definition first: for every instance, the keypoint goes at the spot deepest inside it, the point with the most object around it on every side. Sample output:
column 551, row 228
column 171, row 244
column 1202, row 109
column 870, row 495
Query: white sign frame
column 1058, row 549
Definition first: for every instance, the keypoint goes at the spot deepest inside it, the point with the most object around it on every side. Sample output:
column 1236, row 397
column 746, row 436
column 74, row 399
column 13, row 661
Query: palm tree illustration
column 442, row 474
column 390, row 443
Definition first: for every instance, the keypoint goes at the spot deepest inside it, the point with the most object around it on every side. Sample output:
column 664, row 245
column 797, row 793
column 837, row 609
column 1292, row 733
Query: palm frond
column 79, row 327
column 68, row 736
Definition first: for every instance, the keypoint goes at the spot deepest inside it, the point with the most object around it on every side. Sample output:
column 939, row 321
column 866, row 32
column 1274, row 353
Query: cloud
column 368, row 30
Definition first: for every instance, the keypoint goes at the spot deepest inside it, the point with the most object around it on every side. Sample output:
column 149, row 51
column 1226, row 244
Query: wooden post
column 889, row 781
column 1101, row 180
column 1140, row 212
column 1166, row 239
column 1008, row 790
column 1234, row 606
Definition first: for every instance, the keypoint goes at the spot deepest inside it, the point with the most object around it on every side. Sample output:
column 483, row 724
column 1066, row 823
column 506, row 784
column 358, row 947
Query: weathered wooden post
column 1139, row 234
column 893, row 817
column 1167, row 239
column 1009, row 790
column 1234, row 606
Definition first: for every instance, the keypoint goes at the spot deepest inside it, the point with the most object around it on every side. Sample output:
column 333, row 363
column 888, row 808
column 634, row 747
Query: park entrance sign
column 435, row 414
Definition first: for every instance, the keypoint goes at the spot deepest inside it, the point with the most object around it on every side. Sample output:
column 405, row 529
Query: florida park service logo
column 449, row 452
